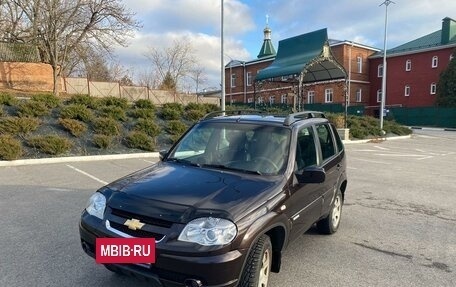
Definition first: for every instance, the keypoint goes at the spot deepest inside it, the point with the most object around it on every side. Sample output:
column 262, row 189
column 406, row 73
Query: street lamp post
column 222, row 94
column 382, row 106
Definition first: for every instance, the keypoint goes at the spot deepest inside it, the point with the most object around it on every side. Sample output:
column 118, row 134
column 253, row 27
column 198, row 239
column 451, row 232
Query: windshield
column 236, row 146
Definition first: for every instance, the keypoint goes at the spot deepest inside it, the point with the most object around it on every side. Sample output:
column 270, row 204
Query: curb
column 20, row 162
column 376, row 139
column 434, row 129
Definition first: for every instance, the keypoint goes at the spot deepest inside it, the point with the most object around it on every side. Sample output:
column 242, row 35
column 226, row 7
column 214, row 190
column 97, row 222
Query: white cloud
column 199, row 20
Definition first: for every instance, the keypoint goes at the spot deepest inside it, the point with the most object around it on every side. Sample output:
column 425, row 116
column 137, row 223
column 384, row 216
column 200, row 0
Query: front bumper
column 171, row 268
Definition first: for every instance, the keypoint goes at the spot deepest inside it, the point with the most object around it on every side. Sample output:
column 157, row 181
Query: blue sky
column 198, row 21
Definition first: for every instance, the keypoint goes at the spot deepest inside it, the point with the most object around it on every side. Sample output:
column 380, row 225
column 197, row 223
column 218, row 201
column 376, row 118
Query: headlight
column 209, row 231
column 96, row 205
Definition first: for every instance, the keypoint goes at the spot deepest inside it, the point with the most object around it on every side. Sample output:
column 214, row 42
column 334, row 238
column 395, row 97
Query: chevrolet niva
column 225, row 201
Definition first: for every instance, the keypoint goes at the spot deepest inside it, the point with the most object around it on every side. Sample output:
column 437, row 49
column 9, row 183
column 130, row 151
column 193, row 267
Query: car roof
column 258, row 117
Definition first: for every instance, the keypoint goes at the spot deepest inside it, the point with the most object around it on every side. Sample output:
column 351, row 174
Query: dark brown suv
column 225, row 201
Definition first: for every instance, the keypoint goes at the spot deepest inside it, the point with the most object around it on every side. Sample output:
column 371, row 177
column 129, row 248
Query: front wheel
column 330, row 223
column 258, row 265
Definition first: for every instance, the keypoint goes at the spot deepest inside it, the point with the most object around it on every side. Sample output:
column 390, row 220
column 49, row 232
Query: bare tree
column 198, row 76
column 173, row 62
column 62, row 27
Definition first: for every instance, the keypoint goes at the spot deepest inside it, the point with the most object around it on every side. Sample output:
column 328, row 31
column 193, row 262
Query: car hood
column 180, row 193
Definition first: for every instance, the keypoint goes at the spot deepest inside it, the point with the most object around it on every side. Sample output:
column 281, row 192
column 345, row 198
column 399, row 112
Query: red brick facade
column 413, row 70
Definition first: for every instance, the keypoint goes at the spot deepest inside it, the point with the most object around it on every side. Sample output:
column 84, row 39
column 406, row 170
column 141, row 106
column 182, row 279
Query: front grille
column 136, row 233
column 142, row 218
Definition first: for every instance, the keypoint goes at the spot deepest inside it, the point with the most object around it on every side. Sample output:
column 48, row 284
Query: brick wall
column 26, row 76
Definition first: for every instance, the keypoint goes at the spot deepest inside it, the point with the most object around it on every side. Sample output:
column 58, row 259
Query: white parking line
column 149, row 161
column 382, row 148
column 371, row 161
column 86, row 174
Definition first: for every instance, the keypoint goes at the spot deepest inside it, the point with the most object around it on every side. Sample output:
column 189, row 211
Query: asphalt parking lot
column 398, row 224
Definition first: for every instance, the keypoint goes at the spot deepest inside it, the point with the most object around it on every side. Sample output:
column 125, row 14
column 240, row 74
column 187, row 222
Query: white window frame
column 380, row 71
column 249, row 100
column 407, row 91
column 310, row 97
column 359, row 63
column 379, row 96
column 408, row 65
column 249, row 79
column 451, row 57
column 233, row 80
column 435, row 62
column 433, row 88
column 260, row 100
column 359, row 95
column 271, row 100
column 329, row 95
column 284, row 99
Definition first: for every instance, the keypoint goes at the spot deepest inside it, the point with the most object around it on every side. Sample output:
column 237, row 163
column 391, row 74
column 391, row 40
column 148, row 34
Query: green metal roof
column 435, row 39
column 267, row 49
column 428, row 41
column 308, row 53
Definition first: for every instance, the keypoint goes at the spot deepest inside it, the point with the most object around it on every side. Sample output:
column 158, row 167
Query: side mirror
column 312, row 174
column 162, row 154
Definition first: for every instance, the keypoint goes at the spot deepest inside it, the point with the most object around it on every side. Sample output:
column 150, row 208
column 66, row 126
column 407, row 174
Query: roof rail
column 230, row 113
column 291, row 118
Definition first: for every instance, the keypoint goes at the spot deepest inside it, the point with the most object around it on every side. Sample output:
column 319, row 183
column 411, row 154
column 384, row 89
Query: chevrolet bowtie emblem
column 134, row 224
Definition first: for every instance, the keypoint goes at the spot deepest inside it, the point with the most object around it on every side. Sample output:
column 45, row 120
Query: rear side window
column 306, row 153
column 326, row 141
column 340, row 145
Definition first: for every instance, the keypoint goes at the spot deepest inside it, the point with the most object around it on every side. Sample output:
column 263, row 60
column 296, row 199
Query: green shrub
column 211, row 107
column 142, row 113
column 10, row 148
column 176, row 127
column 1, row 110
column 144, row 104
column 85, row 100
column 194, row 115
column 106, row 126
column 148, row 126
column 76, row 112
column 49, row 100
column 52, row 144
column 395, row 128
column 29, row 108
column 113, row 112
column 7, row 99
column 171, row 111
column 337, row 119
column 140, row 140
column 18, row 126
column 75, row 127
column 113, row 101
column 102, row 141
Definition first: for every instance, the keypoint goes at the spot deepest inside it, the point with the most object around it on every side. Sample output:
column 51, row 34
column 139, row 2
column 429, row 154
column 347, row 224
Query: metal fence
column 425, row 116
column 132, row 93
column 18, row 52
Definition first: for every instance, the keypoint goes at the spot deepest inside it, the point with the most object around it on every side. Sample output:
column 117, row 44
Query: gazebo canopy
column 308, row 54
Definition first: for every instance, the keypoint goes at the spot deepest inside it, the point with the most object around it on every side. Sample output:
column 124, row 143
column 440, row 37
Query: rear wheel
column 258, row 266
column 330, row 224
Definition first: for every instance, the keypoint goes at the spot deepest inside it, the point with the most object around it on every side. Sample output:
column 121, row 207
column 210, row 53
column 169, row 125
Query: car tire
column 258, row 266
column 330, row 223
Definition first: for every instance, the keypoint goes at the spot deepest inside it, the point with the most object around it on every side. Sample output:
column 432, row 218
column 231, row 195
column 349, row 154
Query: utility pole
column 382, row 106
column 222, row 94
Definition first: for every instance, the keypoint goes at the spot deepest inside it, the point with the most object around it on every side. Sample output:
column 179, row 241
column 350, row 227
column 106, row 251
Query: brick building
column 412, row 74
column 413, row 69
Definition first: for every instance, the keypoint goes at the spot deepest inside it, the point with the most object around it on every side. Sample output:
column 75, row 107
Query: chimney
column 448, row 30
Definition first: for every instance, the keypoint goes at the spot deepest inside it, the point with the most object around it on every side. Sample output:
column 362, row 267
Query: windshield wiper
column 221, row 166
column 184, row 161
